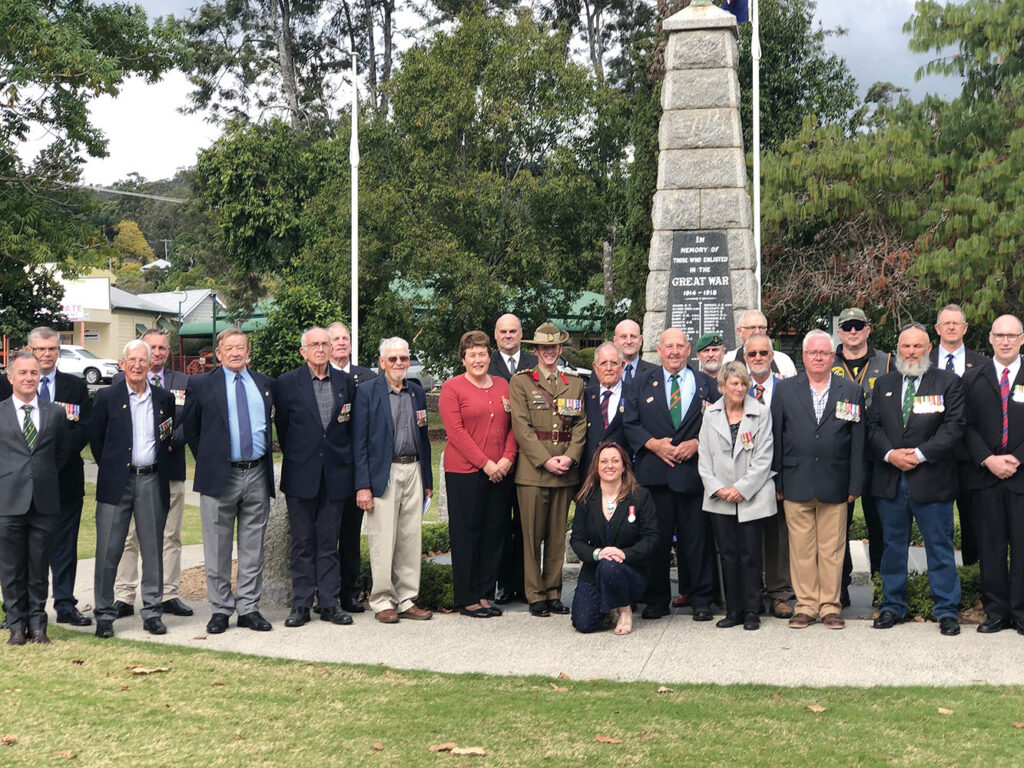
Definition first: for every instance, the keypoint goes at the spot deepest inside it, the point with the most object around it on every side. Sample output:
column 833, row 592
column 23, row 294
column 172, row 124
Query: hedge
column 919, row 596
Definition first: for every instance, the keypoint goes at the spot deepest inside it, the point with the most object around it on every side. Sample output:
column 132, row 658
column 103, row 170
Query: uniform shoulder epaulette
column 524, row 370
column 570, row 373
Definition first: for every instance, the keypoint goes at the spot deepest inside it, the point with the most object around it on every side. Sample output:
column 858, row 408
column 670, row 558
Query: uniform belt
column 247, row 464
column 142, row 470
column 405, row 459
column 555, row 437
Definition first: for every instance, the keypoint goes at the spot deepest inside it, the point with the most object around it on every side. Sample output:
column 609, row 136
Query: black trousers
column 999, row 515
column 315, row 525
column 510, row 563
column 64, row 557
column 348, row 548
column 25, row 543
column 740, row 546
column 680, row 513
column 477, row 509
column 970, row 548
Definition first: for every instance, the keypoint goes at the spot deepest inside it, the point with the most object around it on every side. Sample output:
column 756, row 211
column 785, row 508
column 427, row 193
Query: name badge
column 421, row 418
column 846, row 411
column 747, row 438
column 1018, row 393
column 345, row 413
column 179, row 396
column 72, row 411
column 929, row 404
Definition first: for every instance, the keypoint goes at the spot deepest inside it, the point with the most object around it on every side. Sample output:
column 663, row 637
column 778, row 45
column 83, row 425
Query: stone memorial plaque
column 699, row 294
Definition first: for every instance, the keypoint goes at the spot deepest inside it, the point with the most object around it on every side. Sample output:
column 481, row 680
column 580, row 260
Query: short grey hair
column 818, row 334
column 611, row 344
column 734, row 369
column 393, row 342
column 302, row 338
column 135, row 344
column 154, row 332
column 42, row 332
column 758, row 337
column 951, row 308
column 21, row 354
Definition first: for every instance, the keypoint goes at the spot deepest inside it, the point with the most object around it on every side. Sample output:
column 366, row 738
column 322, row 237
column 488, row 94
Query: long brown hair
column 593, row 479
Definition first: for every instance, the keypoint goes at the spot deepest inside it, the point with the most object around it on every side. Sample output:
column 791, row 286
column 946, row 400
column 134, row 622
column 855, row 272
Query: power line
column 161, row 198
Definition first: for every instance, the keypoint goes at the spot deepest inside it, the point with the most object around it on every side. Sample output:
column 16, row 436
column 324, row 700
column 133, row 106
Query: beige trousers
column 817, row 545
column 393, row 531
column 544, row 512
column 127, row 579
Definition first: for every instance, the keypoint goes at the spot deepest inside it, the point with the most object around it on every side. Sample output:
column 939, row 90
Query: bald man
column 754, row 322
column 629, row 339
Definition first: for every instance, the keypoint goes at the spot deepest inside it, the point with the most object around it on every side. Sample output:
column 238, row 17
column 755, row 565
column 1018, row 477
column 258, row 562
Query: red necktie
column 604, row 407
column 759, row 393
column 1004, row 391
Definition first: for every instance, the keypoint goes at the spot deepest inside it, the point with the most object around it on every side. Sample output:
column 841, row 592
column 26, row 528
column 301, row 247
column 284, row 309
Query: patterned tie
column 608, row 393
column 908, row 398
column 157, row 381
column 759, row 393
column 511, row 364
column 44, row 390
column 244, row 425
column 949, row 362
column 28, row 428
column 675, row 405
column 1004, row 391
column 628, row 377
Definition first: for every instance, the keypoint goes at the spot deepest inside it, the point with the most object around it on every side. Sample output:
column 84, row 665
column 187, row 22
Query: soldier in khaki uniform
column 550, row 427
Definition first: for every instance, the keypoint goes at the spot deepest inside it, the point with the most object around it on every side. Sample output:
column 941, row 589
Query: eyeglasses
column 758, row 353
column 853, row 325
column 1006, row 336
column 817, row 353
column 318, row 345
column 761, row 328
column 397, row 359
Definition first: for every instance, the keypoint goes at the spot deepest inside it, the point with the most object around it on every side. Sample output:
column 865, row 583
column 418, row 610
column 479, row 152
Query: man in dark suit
column 130, row 433
column 34, row 442
column 995, row 442
column 393, row 479
column 352, row 515
column 818, row 426
column 509, row 358
column 953, row 355
column 628, row 338
column 604, row 403
column 710, row 351
column 664, row 410
column 71, row 393
column 228, row 429
column 127, row 579
column 313, row 415
column 915, row 423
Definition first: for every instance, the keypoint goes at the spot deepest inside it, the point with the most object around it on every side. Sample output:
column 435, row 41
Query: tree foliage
column 275, row 347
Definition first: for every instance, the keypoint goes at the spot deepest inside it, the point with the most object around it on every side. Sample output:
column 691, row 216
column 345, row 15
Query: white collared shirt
column 143, row 429
column 687, row 387
column 34, row 415
column 613, row 401
column 515, row 360
column 769, row 388
column 959, row 359
column 1014, row 369
column 346, row 369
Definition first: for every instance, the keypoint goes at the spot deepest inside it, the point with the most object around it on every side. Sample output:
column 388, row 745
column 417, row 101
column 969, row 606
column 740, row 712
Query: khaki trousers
column 127, row 579
column 817, row 545
column 544, row 514
column 393, row 531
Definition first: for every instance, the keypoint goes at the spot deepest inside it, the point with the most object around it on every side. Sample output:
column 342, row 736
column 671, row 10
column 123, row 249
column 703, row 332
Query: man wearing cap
column 550, row 426
column 628, row 338
column 857, row 360
column 710, row 349
column 755, row 322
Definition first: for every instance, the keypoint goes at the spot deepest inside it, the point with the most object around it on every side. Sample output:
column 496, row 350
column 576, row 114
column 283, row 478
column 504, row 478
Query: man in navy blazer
column 604, row 422
column 228, row 429
column 664, row 412
column 313, row 416
column 915, row 423
column 393, row 479
column 130, row 433
column 627, row 337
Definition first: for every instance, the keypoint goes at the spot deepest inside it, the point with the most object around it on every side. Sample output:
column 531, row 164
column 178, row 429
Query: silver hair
column 733, row 369
column 611, row 344
column 758, row 337
column 951, row 308
column 134, row 344
column 21, row 354
column 818, row 334
column 394, row 342
column 302, row 338
column 42, row 332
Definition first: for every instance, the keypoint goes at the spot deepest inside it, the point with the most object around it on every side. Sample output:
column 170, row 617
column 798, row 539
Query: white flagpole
column 353, row 159
column 755, row 51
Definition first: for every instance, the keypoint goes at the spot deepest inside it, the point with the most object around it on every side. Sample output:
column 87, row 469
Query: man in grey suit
column 128, row 569
column 33, row 444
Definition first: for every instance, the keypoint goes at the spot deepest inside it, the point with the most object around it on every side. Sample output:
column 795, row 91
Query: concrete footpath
column 674, row 649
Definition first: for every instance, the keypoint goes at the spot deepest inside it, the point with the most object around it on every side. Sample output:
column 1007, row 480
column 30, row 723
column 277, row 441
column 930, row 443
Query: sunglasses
column 758, row 353
column 398, row 359
column 853, row 325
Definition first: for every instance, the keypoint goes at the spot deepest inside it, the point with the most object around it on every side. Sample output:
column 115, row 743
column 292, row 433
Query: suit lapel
column 10, row 416
column 220, row 393
column 307, row 394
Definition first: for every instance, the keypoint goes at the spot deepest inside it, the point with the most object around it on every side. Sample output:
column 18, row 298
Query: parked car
column 79, row 361
column 565, row 365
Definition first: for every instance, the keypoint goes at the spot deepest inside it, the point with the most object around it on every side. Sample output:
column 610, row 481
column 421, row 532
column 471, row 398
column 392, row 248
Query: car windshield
column 86, row 353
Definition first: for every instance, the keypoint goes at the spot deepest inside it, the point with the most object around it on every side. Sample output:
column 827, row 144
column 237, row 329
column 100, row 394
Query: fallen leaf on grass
column 140, row 670
column 448, row 746
column 126, row 687
column 199, row 637
column 608, row 740
column 815, row 708
column 644, row 736
column 564, row 676
column 7, row 739
column 469, row 751
column 378, row 747
column 68, row 753
column 78, row 661
column 944, row 711
column 1015, row 725
column 216, row 683
column 238, row 736
column 776, row 696
column 558, row 688
column 665, row 689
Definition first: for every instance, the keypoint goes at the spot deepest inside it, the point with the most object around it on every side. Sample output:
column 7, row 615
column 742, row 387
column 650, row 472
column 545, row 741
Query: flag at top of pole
column 738, row 8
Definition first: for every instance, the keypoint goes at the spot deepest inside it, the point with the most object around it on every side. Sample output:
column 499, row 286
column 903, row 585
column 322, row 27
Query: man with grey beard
column 915, row 422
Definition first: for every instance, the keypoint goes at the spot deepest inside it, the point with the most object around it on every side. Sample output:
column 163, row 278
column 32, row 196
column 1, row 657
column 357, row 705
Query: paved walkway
column 671, row 650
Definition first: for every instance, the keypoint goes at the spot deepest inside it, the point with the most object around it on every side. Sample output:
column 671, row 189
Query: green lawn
column 79, row 698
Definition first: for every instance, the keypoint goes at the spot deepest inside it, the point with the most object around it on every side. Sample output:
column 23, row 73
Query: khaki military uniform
column 548, row 420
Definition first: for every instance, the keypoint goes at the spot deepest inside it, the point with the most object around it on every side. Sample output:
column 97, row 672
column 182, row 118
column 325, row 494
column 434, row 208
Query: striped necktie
column 675, row 405
column 908, row 398
column 759, row 393
column 604, row 407
column 1004, row 393
column 28, row 428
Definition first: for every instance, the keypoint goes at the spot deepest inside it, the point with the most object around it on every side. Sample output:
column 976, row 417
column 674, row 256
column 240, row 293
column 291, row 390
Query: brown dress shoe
column 781, row 609
column 415, row 613
column 834, row 621
column 801, row 621
column 387, row 616
column 680, row 601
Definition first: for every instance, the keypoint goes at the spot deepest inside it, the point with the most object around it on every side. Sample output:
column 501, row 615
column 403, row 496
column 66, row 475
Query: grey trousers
column 128, row 569
column 141, row 502
column 246, row 503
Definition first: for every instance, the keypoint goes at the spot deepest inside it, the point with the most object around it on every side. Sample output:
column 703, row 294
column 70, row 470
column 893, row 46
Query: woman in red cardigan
column 478, row 462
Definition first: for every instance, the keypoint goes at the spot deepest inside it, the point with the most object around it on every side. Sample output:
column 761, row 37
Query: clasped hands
column 558, row 465
column 612, row 553
column 671, row 454
column 1002, row 466
column 496, row 471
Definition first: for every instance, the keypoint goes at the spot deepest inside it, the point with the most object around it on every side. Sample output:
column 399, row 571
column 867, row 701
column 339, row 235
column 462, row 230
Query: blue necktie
column 44, row 390
column 244, row 425
column 628, row 378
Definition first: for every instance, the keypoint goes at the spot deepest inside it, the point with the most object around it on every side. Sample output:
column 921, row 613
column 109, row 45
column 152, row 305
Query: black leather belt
column 247, row 464
column 142, row 470
column 405, row 459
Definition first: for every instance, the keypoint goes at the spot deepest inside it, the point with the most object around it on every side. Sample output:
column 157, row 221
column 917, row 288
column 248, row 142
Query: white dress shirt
column 959, row 359
column 1014, row 370
column 769, row 388
column 143, row 429
column 34, row 415
column 613, row 401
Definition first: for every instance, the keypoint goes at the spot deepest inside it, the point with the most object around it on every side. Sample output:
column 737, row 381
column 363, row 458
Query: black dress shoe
column 39, row 636
column 702, row 613
column 335, row 615
column 652, row 612
column 217, row 624
column 476, row 613
column 557, row 606
column 297, row 617
column 17, row 637
column 540, row 608
column 177, row 607
column 351, row 604
column 123, row 609
column 730, row 620
column 751, row 621
column 255, row 622
column 494, row 610
column 949, row 626
column 104, row 628
column 994, row 625
column 155, row 626
column 886, row 620
column 316, row 607
column 501, row 597
column 74, row 617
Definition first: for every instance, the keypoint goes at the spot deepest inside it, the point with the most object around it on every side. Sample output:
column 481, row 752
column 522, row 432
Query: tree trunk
column 388, row 11
column 289, row 80
column 609, row 277
column 593, row 9
column 371, row 56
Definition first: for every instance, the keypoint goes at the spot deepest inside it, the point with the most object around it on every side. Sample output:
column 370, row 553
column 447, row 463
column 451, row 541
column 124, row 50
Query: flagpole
column 755, row 51
column 353, row 159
